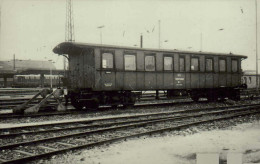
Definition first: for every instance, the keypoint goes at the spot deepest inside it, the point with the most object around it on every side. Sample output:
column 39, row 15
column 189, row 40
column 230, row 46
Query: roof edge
column 65, row 47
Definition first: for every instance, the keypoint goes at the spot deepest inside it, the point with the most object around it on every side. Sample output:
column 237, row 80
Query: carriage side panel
column 140, row 70
column 159, row 71
column 119, row 72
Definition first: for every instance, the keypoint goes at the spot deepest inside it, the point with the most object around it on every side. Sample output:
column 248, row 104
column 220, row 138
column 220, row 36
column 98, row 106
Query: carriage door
column 108, row 73
column 179, row 78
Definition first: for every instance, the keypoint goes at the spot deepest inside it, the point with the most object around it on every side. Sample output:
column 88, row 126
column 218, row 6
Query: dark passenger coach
column 102, row 74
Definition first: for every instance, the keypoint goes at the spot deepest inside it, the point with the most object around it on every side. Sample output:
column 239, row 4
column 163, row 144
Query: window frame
column 182, row 56
column 232, row 66
column 172, row 69
column 150, row 54
column 225, row 64
column 212, row 59
column 195, row 57
column 133, row 54
column 113, row 57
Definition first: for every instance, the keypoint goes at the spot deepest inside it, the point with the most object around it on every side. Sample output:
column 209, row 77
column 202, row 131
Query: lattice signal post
column 69, row 27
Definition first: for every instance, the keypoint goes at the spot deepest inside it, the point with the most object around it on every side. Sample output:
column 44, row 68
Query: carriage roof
column 67, row 47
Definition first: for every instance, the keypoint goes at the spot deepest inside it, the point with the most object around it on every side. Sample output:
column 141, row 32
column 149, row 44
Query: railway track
column 71, row 110
column 13, row 102
column 20, row 144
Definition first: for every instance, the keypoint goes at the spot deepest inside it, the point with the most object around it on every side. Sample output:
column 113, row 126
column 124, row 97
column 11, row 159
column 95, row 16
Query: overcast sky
column 30, row 29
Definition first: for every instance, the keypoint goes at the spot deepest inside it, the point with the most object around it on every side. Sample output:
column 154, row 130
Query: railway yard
column 141, row 83
column 51, row 137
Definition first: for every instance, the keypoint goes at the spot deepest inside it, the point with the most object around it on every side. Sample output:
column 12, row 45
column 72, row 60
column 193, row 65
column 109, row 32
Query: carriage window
column 130, row 62
column 168, row 64
column 194, row 64
column 209, row 65
column 182, row 64
column 107, row 60
column 222, row 65
column 234, row 66
column 149, row 63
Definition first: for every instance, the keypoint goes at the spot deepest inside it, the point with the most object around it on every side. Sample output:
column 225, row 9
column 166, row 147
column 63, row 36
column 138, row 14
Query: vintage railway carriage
column 101, row 74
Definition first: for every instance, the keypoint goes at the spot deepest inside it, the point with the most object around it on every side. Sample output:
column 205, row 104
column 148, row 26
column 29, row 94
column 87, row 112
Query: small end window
column 149, row 63
column 107, row 60
column 234, row 66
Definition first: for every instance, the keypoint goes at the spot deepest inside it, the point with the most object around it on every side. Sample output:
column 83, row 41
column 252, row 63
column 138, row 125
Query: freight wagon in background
column 36, row 80
column 249, row 78
column 108, row 75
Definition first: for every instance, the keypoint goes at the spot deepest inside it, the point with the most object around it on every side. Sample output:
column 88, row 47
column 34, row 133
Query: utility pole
column 51, row 71
column 64, row 65
column 100, row 28
column 0, row 24
column 201, row 41
column 159, row 24
column 141, row 41
column 257, row 80
column 14, row 62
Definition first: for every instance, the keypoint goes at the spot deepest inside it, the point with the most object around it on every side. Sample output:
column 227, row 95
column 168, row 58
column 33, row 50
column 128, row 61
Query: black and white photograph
column 129, row 81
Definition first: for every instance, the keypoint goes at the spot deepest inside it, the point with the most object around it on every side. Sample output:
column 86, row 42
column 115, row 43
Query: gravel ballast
column 238, row 135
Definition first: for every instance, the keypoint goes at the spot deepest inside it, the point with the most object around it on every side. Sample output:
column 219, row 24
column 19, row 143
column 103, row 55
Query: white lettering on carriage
column 108, row 84
column 179, row 78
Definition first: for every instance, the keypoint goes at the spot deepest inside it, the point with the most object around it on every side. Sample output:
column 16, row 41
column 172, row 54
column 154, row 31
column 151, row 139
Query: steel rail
column 99, row 125
column 129, row 116
column 116, row 128
column 4, row 116
column 178, row 127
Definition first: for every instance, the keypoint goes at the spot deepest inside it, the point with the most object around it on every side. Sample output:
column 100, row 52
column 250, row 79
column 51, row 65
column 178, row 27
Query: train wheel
column 92, row 105
column 76, row 104
column 114, row 106
column 195, row 98
column 212, row 98
column 129, row 100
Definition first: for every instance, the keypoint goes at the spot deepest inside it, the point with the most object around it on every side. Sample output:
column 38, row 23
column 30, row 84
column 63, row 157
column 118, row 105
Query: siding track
column 21, row 144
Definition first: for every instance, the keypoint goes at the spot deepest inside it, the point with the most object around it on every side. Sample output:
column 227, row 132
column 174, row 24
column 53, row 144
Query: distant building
column 21, row 65
column 6, row 74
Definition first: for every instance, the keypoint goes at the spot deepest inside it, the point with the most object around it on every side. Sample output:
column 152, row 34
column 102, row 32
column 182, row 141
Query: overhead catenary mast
column 159, row 34
column 69, row 27
column 0, row 24
column 257, row 80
